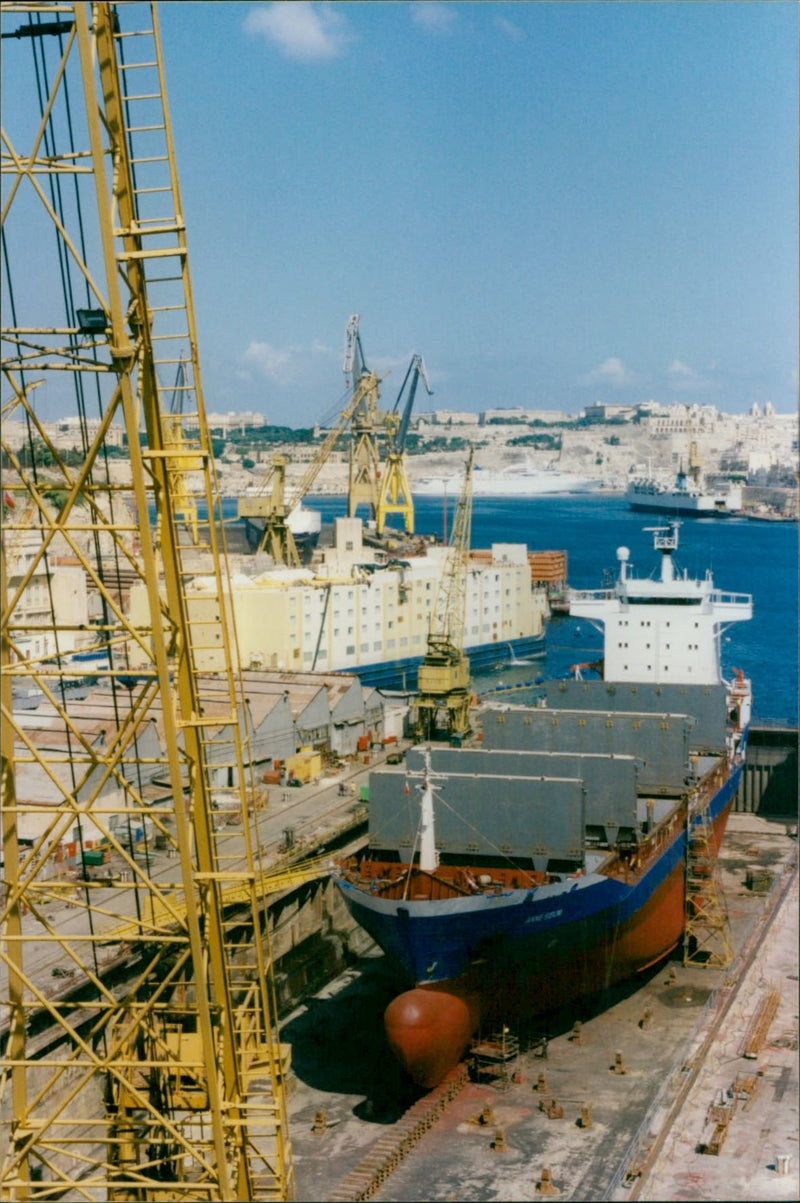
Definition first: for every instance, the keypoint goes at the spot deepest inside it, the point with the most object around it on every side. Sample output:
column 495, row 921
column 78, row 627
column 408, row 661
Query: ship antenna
column 665, row 540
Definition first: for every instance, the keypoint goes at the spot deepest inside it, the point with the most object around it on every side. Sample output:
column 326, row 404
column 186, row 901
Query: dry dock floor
column 678, row 1049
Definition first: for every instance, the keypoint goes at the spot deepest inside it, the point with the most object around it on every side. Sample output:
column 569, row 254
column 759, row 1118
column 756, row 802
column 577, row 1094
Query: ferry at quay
column 545, row 859
column 685, row 497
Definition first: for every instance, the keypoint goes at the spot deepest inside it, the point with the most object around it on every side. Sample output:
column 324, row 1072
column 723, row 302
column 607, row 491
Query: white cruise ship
column 509, row 482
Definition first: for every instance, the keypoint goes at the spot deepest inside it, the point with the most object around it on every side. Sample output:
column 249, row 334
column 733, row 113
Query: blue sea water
column 760, row 558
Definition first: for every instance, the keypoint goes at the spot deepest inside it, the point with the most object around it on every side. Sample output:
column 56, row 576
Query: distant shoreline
column 601, row 492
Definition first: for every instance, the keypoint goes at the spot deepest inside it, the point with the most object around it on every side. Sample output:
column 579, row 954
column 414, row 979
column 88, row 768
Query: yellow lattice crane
column 394, row 493
column 442, row 704
column 148, row 1069
column 367, row 426
column 271, row 504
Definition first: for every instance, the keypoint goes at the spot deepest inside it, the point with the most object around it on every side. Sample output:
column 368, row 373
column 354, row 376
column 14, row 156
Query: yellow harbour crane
column 394, row 493
column 367, row 425
column 444, row 695
column 185, row 504
column 137, row 1002
column 385, row 492
column 271, row 504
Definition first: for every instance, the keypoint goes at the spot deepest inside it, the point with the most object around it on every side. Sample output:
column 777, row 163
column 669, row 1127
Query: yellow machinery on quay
column 443, row 702
column 141, row 1053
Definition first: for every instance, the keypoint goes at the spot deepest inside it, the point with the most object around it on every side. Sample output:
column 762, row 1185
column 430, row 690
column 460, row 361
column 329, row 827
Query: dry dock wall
column 770, row 782
column 313, row 939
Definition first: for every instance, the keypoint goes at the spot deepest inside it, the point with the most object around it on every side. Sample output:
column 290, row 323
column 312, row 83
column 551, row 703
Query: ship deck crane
column 394, row 494
column 444, row 695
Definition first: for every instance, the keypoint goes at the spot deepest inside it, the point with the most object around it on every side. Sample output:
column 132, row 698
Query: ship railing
column 718, row 598
column 592, row 594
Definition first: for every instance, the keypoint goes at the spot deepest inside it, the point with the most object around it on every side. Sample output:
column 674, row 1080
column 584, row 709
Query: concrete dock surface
column 759, row 1157
column 623, row 1106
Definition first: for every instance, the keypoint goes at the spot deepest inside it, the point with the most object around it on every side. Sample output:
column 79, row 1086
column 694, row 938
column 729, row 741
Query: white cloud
column 385, row 365
column 682, row 376
column 301, row 30
column 611, row 371
column 282, row 365
column 508, row 27
column 433, row 15
column 265, row 360
column 681, row 371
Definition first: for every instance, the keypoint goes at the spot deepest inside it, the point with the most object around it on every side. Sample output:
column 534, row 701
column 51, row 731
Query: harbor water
column 760, row 558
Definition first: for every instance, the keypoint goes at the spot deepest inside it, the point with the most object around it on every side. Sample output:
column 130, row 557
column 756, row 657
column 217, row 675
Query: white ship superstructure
column 305, row 524
column 645, row 493
column 664, row 631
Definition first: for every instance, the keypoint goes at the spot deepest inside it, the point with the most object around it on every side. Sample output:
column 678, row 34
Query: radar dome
column 623, row 554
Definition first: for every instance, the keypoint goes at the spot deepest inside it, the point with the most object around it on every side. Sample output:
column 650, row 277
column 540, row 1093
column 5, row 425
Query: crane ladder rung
column 150, row 225
column 221, row 720
column 133, row 33
column 173, row 453
column 215, row 875
column 167, row 252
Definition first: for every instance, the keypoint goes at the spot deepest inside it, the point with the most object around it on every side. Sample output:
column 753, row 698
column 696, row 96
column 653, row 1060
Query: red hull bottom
column 428, row 1030
column 430, row 1027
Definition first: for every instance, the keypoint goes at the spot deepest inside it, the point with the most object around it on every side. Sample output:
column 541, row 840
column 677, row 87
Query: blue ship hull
column 535, row 929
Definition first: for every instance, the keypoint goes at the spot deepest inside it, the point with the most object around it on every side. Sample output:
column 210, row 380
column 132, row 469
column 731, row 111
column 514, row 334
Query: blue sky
column 554, row 203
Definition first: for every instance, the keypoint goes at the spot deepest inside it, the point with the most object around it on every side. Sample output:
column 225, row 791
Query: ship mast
column 428, row 855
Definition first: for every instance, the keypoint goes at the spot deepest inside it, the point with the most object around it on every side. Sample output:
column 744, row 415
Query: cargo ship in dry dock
column 547, row 861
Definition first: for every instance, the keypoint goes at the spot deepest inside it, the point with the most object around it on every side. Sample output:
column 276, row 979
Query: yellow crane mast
column 385, row 493
column 367, row 425
column 174, row 439
column 271, row 504
column 394, row 493
column 444, row 696
column 145, row 1066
